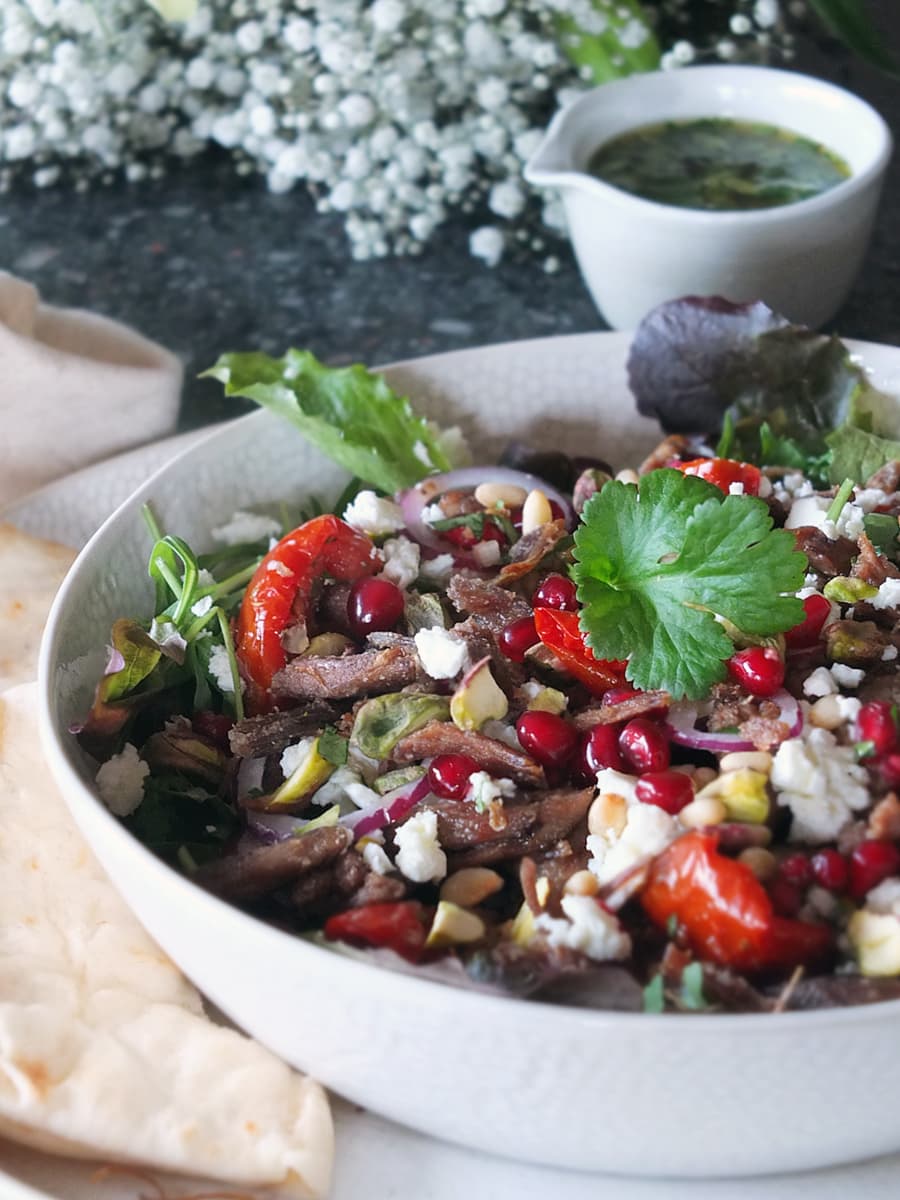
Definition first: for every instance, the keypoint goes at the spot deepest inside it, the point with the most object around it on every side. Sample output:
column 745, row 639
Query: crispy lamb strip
column 556, row 816
column 258, row 737
column 623, row 710
column 460, row 827
column 831, row 557
column 530, row 551
column 492, row 755
column 871, row 566
column 255, row 873
column 470, row 594
column 348, row 676
column 480, row 636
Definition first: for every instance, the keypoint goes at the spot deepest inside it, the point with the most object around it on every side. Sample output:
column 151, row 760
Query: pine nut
column 470, row 886
column 609, row 812
column 755, row 760
column 536, row 511
column 628, row 475
column 542, row 890
column 762, row 862
column 453, row 926
column 705, row 810
column 500, row 495
column 582, row 883
column 826, row 713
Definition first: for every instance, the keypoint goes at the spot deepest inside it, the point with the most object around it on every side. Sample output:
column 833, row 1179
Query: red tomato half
column 278, row 594
column 561, row 633
column 723, row 472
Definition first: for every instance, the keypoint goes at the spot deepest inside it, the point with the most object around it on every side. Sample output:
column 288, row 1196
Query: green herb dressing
column 717, row 164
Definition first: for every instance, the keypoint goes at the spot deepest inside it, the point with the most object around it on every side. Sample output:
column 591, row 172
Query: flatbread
column 31, row 570
column 105, row 1050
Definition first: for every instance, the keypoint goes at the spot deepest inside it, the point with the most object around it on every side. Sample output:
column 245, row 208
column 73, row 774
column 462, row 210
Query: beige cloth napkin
column 77, row 388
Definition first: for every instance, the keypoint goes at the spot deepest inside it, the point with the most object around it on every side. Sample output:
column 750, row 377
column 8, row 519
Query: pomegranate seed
column 829, row 870
column 808, row 632
column 796, row 869
column 786, row 897
column 374, row 605
column 876, row 724
column 644, row 745
column 517, row 637
column 668, row 790
column 556, row 592
column 215, row 726
column 600, row 750
column 870, row 863
column 758, row 669
column 449, row 775
column 546, row 737
column 889, row 770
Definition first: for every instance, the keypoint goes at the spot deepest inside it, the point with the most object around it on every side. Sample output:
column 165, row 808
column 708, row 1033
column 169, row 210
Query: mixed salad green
column 621, row 737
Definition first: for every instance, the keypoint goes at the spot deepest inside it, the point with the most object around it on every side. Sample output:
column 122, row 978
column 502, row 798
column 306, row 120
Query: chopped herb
column 332, row 746
column 656, row 566
column 843, row 494
column 863, row 750
column 476, row 522
column 654, row 996
column 881, row 529
column 691, row 995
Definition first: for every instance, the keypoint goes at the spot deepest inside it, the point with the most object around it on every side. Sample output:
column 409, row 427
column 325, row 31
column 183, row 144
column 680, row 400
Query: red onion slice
column 414, row 500
column 399, row 803
column 682, row 721
column 274, row 827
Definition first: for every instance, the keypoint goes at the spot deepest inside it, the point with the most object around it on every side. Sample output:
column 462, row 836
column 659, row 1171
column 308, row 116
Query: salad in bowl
column 622, row 734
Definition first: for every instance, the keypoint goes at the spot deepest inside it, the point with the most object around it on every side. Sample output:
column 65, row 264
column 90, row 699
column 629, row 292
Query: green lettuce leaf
column 352, row 415
column 655, row 567
column 857, row 454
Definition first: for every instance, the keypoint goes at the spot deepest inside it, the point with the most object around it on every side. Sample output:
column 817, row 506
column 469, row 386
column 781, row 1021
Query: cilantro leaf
column 351, row 415
column 655, row 566
column 332, row 746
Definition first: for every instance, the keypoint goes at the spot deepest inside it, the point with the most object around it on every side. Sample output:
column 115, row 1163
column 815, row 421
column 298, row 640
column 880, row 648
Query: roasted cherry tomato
column 724, row 911
column 401, row 927
column 277, row 596
column 560, row 632
column 723, row 472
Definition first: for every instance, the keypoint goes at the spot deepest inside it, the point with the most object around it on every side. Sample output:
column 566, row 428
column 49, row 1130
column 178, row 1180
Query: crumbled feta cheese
column 848, row 677
column 501, row 731
column 869, row 499
column 293, row 756
column 432, row 513
column 850, row 522
column 888, row 595
column 167, row 637
column 889, row 653
column 202, row 606
column 220, row 670
column 848, row 707
column 246, row 527
column 120, row 781
column 346, row 789
column 808, row 510
column 765, row 487
column 280, row 568
column 819, row 683
column 590, row 929
column 401, row 561
column 443, row 655
column 374, row 515
column 820, row 782
column 647, row 831
column 419, row 853
column 437, row 569
column 735, row 489
column 483, row 789
column 793, row 486
column 487, row 554
column 885, row 898
column 376, row 859
column 617, row 783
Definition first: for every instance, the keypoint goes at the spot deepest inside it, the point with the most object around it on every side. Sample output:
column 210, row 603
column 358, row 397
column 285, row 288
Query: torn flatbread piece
column 105, row 1049
column 31, row 570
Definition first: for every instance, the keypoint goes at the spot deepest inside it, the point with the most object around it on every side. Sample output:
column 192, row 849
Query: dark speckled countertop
column 203, row 262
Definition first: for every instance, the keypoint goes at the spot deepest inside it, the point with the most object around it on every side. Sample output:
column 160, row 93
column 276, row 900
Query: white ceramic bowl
column 627, row 1093
column 801, row 258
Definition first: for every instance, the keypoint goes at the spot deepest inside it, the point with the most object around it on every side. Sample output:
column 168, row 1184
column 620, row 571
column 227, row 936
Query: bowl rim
column 571, row 177
column 79, row 796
